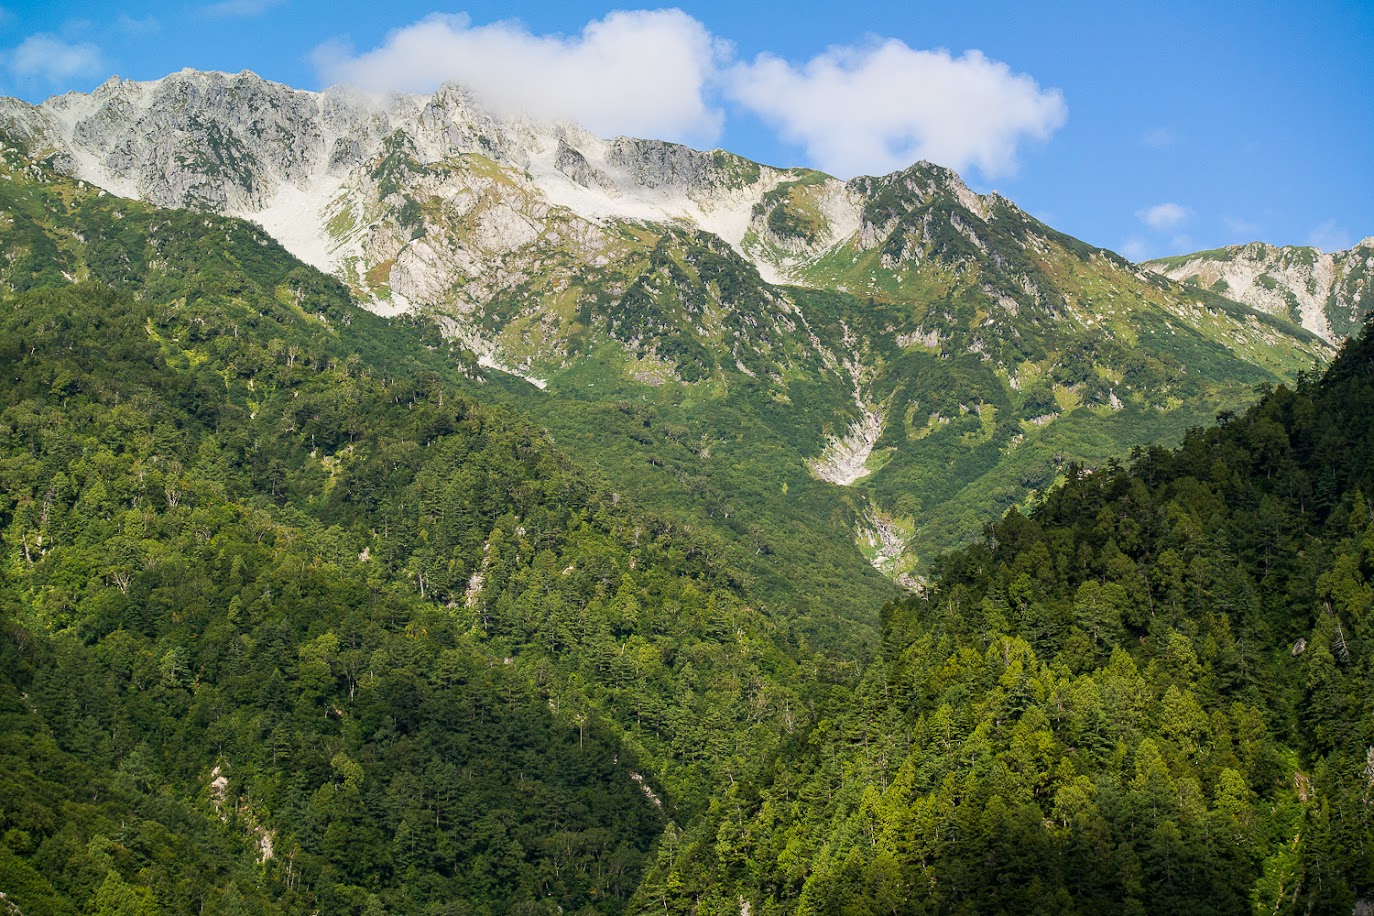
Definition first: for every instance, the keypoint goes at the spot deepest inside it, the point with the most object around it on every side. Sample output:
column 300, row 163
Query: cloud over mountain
column 880, row 107
column 660, row 73
column 642, row 72
column 49, row 58
column 1164, row 216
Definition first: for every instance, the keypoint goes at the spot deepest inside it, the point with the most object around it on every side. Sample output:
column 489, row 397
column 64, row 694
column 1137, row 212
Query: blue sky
column 1150, row 130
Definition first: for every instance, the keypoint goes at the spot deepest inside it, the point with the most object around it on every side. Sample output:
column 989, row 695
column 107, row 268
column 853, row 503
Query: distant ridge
column 1328, row 293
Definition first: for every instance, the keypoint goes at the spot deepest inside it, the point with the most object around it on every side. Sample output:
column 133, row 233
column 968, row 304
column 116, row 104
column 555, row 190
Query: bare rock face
column 435, row 201
column 572, row 163
column 35, row 133
column 212, row 141
column 659, row 164
column 1328, row 293
column 350, row 182
column 845, row 460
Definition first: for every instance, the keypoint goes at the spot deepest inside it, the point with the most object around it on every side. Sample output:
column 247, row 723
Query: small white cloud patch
column 49, row 58
column 1160, row 137
column 634, row 72
column 660, row 73
column 226, row 8
column 1330, row 237
column 873, row 109
column 1164, row 216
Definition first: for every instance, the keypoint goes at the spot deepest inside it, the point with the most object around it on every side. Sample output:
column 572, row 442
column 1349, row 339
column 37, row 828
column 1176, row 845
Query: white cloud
column 880, row 107
column 1164, row 216
column 51, row 59
column 1160, row 137
column 638, row 72
column 1135, row 250
column 132, row 26
column 660, row 73
column 1330, row 237
column 228, row 8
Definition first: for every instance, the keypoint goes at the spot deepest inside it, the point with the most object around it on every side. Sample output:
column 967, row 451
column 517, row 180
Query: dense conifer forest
column 295, row 622
column 1152, row 694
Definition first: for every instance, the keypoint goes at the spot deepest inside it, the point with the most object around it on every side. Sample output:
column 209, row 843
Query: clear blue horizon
column 1150, row 132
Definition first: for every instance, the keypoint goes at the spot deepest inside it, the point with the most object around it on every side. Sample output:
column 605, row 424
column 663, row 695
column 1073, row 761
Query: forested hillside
column 292, row 626
column 298, row 619
column 1151, row 695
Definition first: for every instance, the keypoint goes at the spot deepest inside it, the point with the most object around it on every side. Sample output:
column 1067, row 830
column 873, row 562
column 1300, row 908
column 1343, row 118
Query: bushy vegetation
column 299, row 616
column 268, row 577
column 1151, row 694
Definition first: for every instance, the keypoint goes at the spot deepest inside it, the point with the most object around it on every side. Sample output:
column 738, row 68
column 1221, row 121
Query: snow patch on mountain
column 294, row 217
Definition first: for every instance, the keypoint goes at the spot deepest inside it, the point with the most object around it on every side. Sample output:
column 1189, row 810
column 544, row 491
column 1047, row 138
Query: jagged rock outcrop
column 328, row 173
column 1329, row 293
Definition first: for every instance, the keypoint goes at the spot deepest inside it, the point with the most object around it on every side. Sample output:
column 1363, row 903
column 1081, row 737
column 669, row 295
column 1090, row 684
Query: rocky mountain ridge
column 248, row 147
column 938, row 352
column 1328, row 293
column 320, row 170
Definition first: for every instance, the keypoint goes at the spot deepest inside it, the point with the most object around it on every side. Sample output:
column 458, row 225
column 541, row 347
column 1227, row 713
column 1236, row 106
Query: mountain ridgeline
column 816, row 365
column 1327, row 292
column 573, row 585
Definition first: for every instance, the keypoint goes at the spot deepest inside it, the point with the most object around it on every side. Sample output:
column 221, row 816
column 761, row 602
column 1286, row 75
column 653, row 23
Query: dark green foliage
column 252, row 533
column 1150, row 695
column 268, row 574
column 396, row 161
column 789, row 222
column 197, row 623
